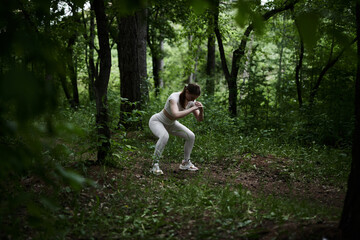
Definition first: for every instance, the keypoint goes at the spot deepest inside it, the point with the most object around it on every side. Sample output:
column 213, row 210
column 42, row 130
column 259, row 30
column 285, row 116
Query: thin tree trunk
column 211, row 50
column 64, row 86
column 210, row 66
column 72, row 61
column 89, row 54
column 156, row 45
column 190, row 76
column 156, row 49
column 299, row 66
column 93, row 71
column 157, row 62
column 141, row 21
column 279, row 80
column 101, row 83
column 73, row 79
column 71, row 65
column 350, row 218
column 193, row 73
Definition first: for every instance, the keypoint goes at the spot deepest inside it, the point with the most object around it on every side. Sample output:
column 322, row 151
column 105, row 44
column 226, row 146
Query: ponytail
column 182, row 97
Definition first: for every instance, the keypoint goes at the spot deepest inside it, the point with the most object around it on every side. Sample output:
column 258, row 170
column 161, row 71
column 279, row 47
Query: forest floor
column 261, row 176
column 125, row 189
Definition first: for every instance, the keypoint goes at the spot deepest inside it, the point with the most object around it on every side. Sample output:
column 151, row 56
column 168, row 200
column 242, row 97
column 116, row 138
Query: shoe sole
column 157, row 173
column 189, row 169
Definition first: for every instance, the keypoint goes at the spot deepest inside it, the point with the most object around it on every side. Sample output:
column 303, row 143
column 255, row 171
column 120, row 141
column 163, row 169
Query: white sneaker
column 156, row 169
column 187, row 165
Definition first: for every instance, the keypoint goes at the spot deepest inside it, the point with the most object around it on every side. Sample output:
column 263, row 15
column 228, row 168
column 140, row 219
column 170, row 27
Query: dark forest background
column 79, row 81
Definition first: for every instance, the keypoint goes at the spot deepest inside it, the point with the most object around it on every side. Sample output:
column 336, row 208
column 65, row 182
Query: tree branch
column 220, row 43
column 329, row 65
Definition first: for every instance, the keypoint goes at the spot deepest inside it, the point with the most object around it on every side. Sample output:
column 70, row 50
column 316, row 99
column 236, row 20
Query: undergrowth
column 139, row 206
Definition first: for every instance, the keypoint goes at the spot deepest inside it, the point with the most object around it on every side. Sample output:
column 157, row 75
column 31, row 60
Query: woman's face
column 189, row 96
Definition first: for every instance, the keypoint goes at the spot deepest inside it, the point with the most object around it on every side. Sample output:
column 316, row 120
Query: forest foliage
column 289, row 94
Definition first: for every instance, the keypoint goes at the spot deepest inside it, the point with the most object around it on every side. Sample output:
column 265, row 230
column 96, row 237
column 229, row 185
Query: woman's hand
column 199, row 113
column 199, row 105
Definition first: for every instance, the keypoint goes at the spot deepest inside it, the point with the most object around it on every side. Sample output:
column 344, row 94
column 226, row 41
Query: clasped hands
column 199, row 105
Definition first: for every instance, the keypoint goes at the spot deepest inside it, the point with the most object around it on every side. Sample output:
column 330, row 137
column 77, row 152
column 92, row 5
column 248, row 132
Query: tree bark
column 299, row 66
column 156, row 45
column 157, row 64
column 350, row 218
column 210, row 66
column 93, row 72
column 132, row 64
column 141, row 20
column 62, row 77
column 101, row 83
column 89, row 55
column 279, row 83
column 71, row 64
column 211, row 48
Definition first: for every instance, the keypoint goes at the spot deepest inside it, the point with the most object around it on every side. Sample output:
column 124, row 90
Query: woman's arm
column 180, row 114
column 199, row 113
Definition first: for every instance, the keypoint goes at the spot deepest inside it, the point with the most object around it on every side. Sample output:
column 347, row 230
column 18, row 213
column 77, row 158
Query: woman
column 178, row 105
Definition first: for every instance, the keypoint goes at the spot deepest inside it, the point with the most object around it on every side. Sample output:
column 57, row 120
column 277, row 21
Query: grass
column 137, row 206
column 247, row 181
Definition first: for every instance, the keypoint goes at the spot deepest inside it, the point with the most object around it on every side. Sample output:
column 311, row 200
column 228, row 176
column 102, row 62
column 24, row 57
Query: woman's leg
column 159, row 131
column 180, row 130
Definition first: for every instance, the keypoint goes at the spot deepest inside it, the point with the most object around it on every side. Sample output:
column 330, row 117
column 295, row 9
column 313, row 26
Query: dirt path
column 262, row 178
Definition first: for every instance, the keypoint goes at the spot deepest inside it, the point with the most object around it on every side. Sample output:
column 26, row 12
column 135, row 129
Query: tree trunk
column 279, row 83
column 211, row 57
column 193, row 73
column 350, row 218
column 189, row 72
column 73, row 78
column 158, row 64
column 62, row 77
column 72, row 61
column 210, row 66
column 101, row 83
column 93, row 73
column 156, row 45
column 89, row 55
column 297, row 73
column 299, row 66
column 141, row 21
column 132, row 65
column 71, row 64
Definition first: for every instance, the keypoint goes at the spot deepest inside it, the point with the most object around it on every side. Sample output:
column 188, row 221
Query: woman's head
column 190, row 93
column 193, row 89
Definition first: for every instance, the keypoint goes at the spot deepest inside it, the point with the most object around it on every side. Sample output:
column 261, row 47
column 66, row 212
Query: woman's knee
column 191, row 136
column 164, row 137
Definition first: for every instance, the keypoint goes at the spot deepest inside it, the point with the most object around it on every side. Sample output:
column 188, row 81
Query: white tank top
column 176, row 97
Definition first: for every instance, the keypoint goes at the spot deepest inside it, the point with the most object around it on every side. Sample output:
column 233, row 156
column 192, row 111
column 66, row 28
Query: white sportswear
column 162, row 126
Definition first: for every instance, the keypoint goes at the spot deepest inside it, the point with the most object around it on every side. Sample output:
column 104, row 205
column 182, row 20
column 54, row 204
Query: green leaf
column 75, row 180
column 308, row 24
column 243, row 13
column 199, row 6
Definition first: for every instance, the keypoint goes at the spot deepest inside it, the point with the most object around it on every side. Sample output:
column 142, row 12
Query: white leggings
column 161, row 126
